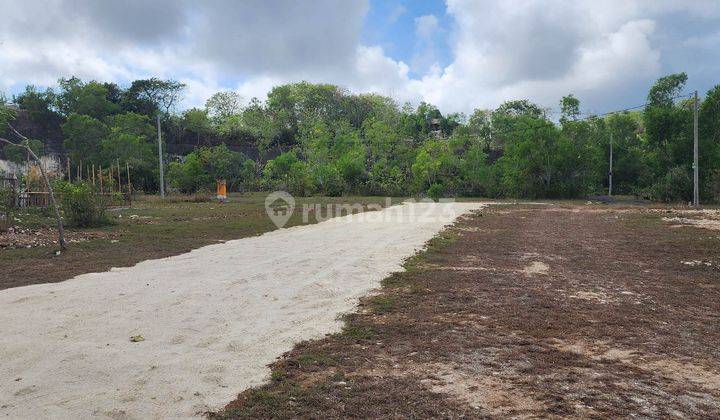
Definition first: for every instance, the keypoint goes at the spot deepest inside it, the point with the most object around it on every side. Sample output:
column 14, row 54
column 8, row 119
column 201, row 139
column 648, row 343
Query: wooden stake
column 127, row 165
column 117, row 161
column 67, row 160
column 100, row 176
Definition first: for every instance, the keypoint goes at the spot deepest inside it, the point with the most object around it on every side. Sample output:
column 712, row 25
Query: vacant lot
column 149, row 229
column 178, row 336
column 567, row 310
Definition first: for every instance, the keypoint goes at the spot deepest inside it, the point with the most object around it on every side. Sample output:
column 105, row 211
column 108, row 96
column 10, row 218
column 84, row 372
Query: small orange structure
column 222, row 191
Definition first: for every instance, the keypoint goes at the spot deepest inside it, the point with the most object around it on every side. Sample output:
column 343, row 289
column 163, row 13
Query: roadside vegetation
column 320, row 139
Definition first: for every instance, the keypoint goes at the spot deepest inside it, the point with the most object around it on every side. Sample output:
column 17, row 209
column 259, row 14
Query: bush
column 81, row 204
column 7, row 207
column 327, row 180
column 435, row 191
column 203, row 167
column 675, row 186
column 287, row 172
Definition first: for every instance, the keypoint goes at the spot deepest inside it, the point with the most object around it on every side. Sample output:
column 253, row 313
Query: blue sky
column 457, row 54
column 392, row 24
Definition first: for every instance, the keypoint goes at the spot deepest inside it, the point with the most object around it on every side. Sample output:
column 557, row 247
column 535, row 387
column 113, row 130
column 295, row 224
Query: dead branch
column 61, row 229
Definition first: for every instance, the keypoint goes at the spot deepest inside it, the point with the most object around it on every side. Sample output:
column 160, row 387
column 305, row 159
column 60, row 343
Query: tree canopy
column 322, row 139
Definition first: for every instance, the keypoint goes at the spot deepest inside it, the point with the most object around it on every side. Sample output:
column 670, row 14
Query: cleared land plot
column 525, row 311
column 182, row 335
column 148, row 230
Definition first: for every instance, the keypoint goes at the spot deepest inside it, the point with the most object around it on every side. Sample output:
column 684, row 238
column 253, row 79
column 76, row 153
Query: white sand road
column 212, row 318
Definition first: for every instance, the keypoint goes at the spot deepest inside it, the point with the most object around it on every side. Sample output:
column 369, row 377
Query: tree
column 709, row 127
column 132, row 123
column 38, row 103
column 130, row 139
column 162, row 95
column 77, row 97
column 223, row 105
column 287, row 172
column 569, row 108
column 665, row 90
column 668, row 128
column 196, row 121
column 83, row 135
column 201, row 168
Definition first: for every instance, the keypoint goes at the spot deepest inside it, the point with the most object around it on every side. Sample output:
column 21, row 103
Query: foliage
column 7, row 206
column 91, row 99
column 196, row 121
column 287, row 172
column 675, row 185
column 83, row 135
column 81, row 204
column 7, row 114
column 19, row 155
column 223, row 105
column 321, row 139
column 152, row 95
column 203, row 167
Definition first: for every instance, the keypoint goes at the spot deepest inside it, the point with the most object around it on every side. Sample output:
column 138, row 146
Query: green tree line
column 321, row 139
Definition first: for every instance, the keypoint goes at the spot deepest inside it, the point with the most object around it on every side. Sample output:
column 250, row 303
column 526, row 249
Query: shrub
column 82, row 206
column 675, row 186
column 327, row 180
column 435, row 192
column 7, row 207
column 287, row 172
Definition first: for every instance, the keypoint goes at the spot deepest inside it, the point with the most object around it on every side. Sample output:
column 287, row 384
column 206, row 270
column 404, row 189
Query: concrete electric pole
column 160, row 157
column 611, row 166
column 696, row 176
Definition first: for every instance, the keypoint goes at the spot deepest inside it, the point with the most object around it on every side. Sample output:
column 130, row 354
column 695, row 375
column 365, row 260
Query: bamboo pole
column 93, row 174
column 67, row 161
column 127, row 165
column 117, row 161
column 101, row 177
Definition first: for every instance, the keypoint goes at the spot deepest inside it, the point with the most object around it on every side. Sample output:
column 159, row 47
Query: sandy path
column 212, row 319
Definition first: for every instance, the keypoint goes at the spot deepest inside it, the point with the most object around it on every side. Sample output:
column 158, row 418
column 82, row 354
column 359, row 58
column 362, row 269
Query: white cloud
column 425, row 57
column 606, row 52
column 426, row 26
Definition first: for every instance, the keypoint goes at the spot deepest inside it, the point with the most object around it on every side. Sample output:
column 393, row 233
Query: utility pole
column 611, row 164
column 160, row 157
column 696, row 176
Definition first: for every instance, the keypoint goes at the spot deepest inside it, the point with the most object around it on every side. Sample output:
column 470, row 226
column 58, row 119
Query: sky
column 458, row 54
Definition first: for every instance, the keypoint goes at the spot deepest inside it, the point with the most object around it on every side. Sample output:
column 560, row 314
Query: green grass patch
column 383, row 304
column 394, row 280
column 357, row 332
column 315, row 359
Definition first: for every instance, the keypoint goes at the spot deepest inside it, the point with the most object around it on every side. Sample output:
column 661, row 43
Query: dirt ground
column 524, row 311
column 174, row 337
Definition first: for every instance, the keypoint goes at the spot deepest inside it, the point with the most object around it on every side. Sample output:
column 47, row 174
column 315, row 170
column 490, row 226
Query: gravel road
column 209, row 321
